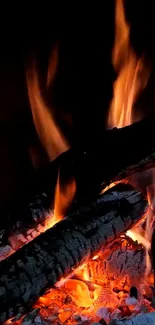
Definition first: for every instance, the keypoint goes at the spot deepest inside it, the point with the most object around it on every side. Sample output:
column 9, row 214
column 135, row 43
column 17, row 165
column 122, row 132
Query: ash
column 110, row 288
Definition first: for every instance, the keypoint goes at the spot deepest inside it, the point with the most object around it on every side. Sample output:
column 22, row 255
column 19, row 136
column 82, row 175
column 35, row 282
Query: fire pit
column 76, row 249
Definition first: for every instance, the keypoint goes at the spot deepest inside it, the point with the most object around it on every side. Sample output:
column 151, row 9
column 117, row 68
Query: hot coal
column 26, row 274
column 74, row 300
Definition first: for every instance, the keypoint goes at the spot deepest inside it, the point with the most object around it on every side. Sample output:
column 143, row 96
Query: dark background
column 83, row 86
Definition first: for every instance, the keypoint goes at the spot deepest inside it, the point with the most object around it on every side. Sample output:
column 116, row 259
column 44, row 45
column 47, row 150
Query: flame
column 132, row 77
column 145, row 238
column 136, row 236
column 150, row 223
column 49, row 133
column 64, row 195
column 103, row 291
column 79, row 292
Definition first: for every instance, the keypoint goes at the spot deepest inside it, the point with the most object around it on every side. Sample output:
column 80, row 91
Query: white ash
column 142, row 319
column 37, row 320
column 103, row 313
column 28, row 319
column 5, row 251
column 131, row 301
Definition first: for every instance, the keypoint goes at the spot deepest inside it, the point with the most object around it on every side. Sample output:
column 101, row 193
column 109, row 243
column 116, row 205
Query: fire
column 48, row 131
column 136, row 236
column 64, row 195
column 132, row 75
column 150, row 222
column 103, row 282
column 80, row 292
column 145, row 235
column 132, row 78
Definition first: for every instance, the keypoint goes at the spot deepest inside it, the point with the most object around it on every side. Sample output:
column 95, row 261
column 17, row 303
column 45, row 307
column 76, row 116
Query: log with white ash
column 91, row 266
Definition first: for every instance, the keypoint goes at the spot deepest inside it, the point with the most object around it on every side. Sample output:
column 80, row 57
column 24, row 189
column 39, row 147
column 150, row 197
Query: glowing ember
column 108, row 292
column 149, row 224
column 132, row 78
column 115, row 282
column 49, row 133
column 136, row 236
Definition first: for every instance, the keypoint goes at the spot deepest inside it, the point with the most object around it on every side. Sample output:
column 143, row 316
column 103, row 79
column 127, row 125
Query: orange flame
column 132, row 77
column 150, row 223
column 135, row 235
column 49, row 133
column 64, row 195
column 145, row 238
column 79, row 292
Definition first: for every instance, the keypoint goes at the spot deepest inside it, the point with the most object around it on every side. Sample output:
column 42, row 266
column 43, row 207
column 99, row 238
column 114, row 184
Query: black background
column 83, row 86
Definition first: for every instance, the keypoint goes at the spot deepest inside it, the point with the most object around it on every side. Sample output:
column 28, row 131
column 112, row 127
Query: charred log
column 116, row 154
column 117, row 261
column 19, row 216
column 56, row 253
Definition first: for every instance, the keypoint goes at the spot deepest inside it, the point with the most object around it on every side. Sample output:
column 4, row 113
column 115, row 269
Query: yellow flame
column 145, row 238
column 129, row 67
column 150, row 222
column 136, row 236
column 79, row 292
column 64, row 195
column 49, row 133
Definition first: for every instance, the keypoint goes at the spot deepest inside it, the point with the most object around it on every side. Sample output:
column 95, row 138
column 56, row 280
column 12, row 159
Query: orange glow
column 95, row 257
column 64, row 195
column 146, row 236
column 132, row 77
column 95, row 285
column 49, row 133
column 136, row 236
column 79, row 292
column 150, row 222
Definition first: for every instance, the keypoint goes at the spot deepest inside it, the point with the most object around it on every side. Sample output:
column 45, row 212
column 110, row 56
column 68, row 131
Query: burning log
column 26, row 274
column 18, row 217
column 143, row 319
column 117, row 261
column 109, row 159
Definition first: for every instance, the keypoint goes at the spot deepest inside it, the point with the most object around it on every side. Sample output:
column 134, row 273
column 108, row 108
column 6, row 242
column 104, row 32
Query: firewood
column 26, row 274
column 117, row 261
column 19, row 216
column 143, row 319
column 114, row 155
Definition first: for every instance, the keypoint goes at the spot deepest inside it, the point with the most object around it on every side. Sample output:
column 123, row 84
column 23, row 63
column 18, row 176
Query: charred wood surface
column 114, row 155
column 26, row 274
column 122, row 259
column 19, row 216
column 143, row 319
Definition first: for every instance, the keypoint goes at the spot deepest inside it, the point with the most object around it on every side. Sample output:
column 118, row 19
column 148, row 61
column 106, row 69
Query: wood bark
column 26, row 274
column 143, row 319
column 114, row 155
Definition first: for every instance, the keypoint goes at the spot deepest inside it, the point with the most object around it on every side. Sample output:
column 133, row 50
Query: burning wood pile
column 76, row 249
column 95, row 269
